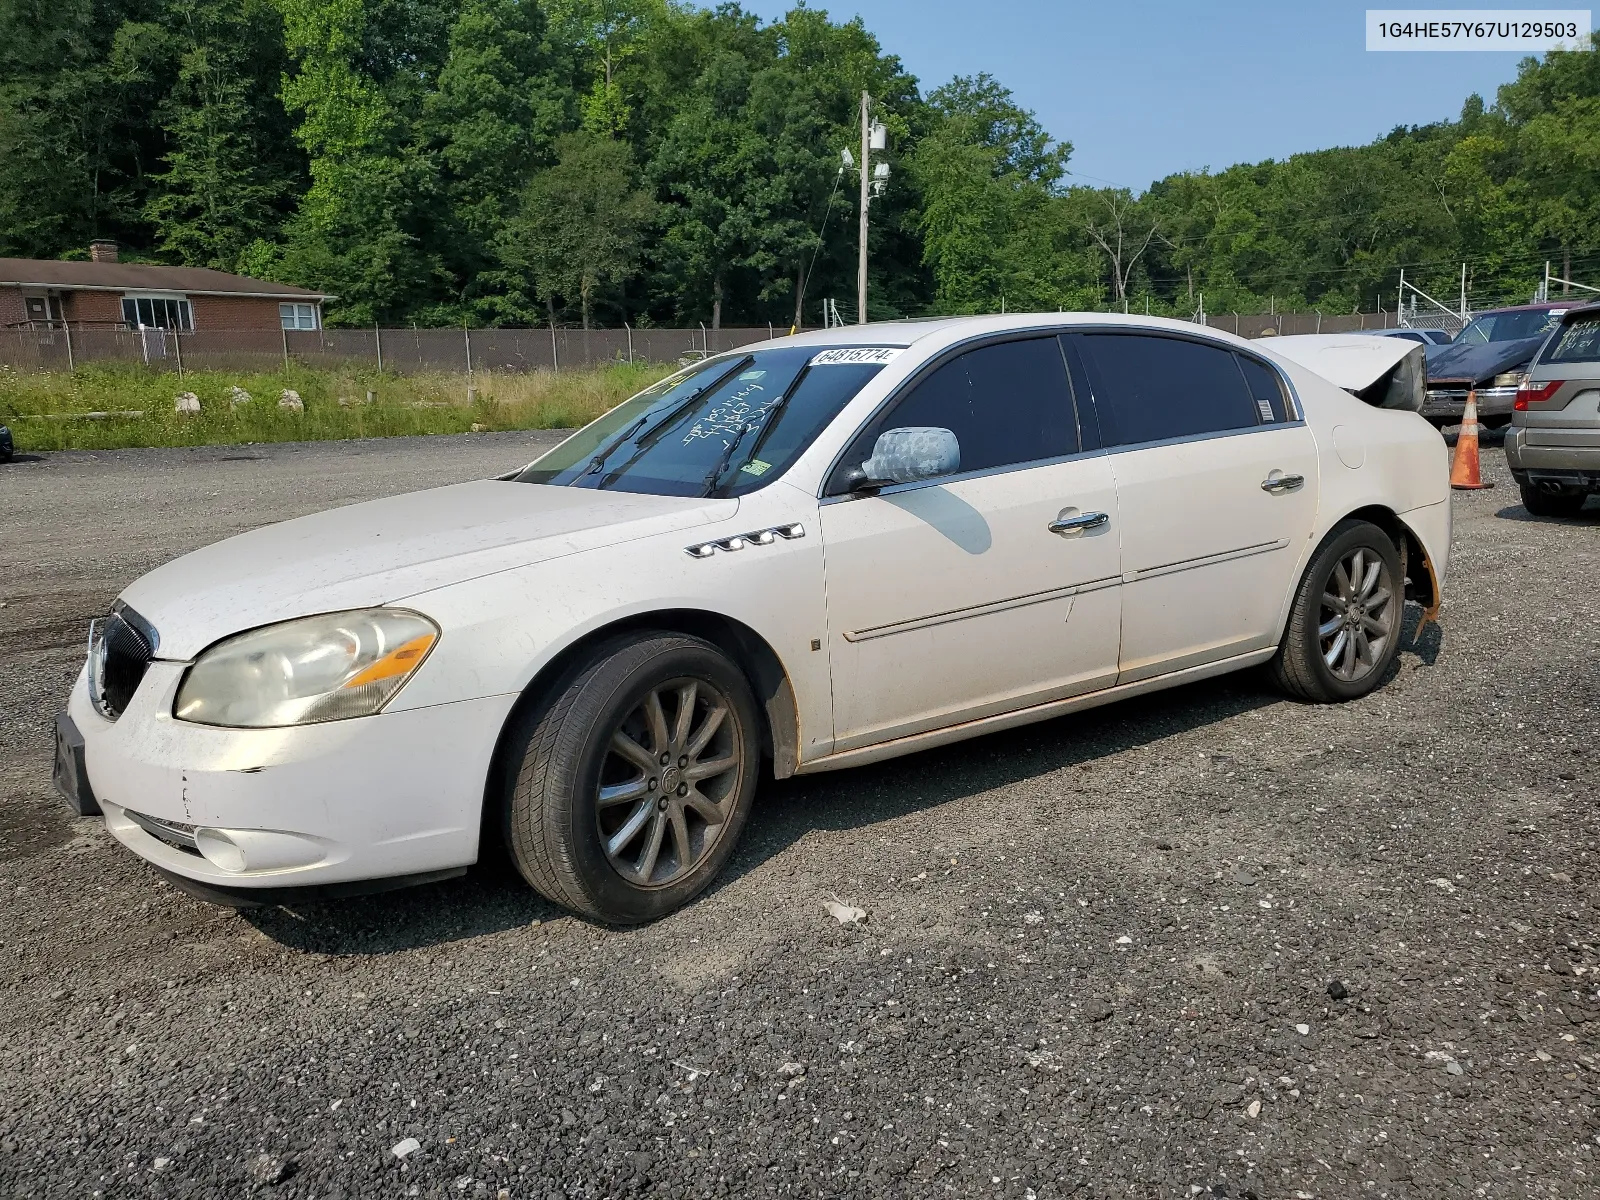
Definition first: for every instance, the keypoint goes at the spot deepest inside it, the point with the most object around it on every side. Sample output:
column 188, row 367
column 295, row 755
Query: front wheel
column 1344, row 628
column 634, row 780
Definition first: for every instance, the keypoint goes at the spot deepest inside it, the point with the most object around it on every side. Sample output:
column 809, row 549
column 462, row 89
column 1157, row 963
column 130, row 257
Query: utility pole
column 866, row 183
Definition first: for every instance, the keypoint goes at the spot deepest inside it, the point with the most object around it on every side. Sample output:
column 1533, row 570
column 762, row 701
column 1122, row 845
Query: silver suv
column 1553, row 448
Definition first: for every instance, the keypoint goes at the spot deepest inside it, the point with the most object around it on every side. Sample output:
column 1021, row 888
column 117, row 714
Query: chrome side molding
column 761, row 537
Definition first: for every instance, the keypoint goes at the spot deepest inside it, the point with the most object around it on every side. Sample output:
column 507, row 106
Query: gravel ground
column 1209, row 942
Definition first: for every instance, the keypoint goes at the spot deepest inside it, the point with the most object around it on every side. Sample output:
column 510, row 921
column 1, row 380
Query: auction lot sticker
column 1529, row 30
column 856, row 355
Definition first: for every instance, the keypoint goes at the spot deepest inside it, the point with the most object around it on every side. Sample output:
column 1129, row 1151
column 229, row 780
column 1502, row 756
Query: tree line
column 517, row 162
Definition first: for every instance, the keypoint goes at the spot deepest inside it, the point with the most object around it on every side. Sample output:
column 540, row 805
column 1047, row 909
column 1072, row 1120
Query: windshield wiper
column 770, row 417
column 710, row 484
column 599, row 460
column 650, row 436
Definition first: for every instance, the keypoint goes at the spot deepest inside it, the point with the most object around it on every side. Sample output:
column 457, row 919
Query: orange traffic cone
column 1464, row 467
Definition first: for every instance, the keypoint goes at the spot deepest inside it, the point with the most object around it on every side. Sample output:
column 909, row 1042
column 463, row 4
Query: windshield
column 1510, row 326
column 719, row 428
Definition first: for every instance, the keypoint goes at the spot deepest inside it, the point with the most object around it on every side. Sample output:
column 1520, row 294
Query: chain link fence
column 464, row 351
column 405, row 351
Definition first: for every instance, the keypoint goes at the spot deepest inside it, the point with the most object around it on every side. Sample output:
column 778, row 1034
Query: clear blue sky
column 1143, row 88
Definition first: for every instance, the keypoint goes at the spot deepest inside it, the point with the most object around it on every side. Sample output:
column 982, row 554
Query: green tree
column 358, row 231
column 502, row 99
column 230, row 166
column 78, row 81
column 581, row 226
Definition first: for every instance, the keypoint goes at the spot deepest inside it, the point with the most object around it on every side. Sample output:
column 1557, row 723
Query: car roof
column 1547, row 307
column 909, row 331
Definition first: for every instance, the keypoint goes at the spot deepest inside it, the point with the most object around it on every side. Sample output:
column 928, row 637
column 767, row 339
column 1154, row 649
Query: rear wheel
column 635, row 780
column 1564, row 503
column 1344, row 628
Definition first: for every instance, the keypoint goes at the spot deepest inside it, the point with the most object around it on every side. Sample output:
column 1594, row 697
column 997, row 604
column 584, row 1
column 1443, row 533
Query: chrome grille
column 176, row 834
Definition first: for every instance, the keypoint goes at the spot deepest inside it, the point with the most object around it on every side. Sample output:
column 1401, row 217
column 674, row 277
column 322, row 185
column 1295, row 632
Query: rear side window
column 1577, row 342
column 1006, row 403
column 1149, row 389
column 1266, row 389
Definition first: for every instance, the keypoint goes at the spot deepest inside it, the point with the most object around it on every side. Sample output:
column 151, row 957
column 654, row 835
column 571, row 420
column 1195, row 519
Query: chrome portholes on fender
column 761, row 537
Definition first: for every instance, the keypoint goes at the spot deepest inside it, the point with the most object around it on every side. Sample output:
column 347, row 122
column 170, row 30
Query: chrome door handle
column 1065, row 525
column 1282, row 483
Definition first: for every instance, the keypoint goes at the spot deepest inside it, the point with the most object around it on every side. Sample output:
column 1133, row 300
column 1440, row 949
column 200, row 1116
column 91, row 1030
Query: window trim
column 1292, row 407
column 296, row 306
column 955, row 350
column 138, row 294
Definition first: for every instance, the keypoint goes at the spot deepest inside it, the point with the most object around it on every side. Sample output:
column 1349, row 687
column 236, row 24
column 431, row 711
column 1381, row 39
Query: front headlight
column 314, row 669
column 1509, row 379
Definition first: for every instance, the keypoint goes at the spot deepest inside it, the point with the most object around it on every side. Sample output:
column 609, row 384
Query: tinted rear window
column 1148, row 389
column 1578, row 342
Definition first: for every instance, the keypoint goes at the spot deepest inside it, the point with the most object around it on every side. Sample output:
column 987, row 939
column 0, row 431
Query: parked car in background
column 1553, row 448
column 7, row 446
column 1423, row 337
column 1490, row 355
column 807, row 554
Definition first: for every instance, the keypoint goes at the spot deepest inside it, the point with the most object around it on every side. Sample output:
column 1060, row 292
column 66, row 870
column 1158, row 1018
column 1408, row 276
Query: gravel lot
column 1097, row 963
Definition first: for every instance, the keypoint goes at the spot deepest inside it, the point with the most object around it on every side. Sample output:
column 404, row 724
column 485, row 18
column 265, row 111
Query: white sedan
column 815, row 552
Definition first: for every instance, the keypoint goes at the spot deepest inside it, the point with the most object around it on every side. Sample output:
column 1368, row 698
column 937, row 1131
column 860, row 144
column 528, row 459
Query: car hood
column 384, row 550
column 1479, row 362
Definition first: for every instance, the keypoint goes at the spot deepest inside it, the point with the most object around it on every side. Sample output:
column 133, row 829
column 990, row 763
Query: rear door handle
column 1276, row 483
column 1067, row 526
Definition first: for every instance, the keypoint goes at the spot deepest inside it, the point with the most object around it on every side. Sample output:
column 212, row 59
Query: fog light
column 219, row 850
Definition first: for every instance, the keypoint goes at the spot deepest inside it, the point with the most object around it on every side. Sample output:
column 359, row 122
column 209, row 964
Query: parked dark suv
column 1553, row 448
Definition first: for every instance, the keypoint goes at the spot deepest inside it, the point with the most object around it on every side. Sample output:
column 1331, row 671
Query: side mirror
column 907, row 456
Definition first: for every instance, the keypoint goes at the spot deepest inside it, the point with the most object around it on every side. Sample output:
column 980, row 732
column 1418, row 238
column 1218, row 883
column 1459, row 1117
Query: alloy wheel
column 1358, row 614
column 669, row 781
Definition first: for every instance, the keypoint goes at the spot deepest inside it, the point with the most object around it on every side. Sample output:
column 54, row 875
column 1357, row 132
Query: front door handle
column 1068, row 525
column 1276, row 483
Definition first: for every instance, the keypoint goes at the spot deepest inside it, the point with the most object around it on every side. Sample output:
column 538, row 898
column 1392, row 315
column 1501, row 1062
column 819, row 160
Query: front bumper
column 1450, row 401
column 397, row 794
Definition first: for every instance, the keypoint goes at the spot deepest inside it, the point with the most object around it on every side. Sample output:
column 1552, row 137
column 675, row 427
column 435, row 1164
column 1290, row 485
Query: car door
column 1216, row 492
column 989, row 589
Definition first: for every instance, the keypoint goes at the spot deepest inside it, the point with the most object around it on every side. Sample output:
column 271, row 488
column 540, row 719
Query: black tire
column 1540, row 503
column 1301, row 666
column 557, row 829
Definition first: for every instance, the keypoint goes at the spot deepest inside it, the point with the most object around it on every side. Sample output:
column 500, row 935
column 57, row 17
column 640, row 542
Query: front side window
column 721, row 427
column 1007, row 403
column 1150, row 389
column 1510, row 326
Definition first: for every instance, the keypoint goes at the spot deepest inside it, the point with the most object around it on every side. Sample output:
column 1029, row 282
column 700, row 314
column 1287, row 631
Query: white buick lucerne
column 811, row 553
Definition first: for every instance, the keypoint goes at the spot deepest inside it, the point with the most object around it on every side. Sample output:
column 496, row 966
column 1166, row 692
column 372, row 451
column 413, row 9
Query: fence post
column 177, row 345
column 466, row 335
column 769, row 331
column 555, row 360
column 705, row 348
column 285, row 332
column 71, row 366
column 629, row 328
column 377, row 340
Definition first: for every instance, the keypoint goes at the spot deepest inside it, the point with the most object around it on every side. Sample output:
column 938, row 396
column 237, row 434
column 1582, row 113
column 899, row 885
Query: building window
column 298, row 316
column 157, row 312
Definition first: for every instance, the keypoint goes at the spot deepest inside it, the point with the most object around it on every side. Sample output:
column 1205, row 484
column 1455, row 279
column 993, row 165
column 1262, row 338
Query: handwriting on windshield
column 727, row 417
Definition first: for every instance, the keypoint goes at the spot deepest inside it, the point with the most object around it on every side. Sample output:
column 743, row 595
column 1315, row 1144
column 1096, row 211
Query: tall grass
column 49, row 410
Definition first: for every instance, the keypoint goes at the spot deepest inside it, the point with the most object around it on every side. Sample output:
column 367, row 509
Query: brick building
column 106, row 294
